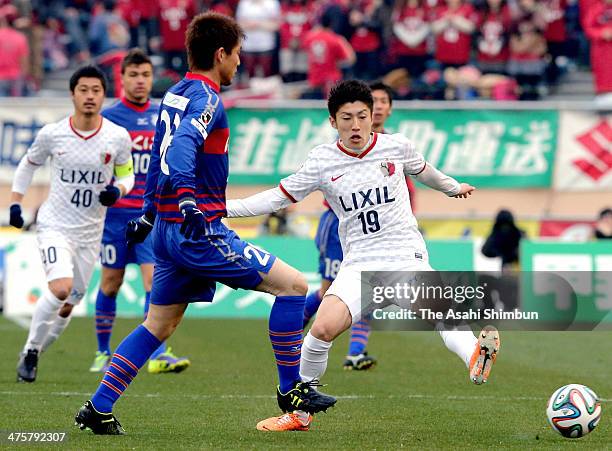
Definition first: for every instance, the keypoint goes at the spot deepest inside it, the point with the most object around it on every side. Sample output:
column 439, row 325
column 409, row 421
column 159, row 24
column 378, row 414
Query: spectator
column 527, row 49
column 598, row 28
column 54, row 52
column 555, row 33
column 108, row 31
column 366, row 39
column 327, row 52
column 338, row 13
column 603, row 227
column 14, row 55
column 504, row 239
column 411, row 29
column 295, row 23
column 260, row 20
column 453, row 26
column 494, row 24
column 174, row 17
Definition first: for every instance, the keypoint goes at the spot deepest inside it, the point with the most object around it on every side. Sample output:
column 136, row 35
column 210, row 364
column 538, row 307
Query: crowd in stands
column 424, row 49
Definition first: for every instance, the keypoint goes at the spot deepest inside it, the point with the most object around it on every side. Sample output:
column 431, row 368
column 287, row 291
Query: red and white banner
column 584, row 155
column 567, row 230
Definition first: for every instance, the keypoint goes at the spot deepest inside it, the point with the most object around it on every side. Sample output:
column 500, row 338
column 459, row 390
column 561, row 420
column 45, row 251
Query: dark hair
column 605, row 212
column 327, row 19
column 348, row 91
column 135, row 56
column 87, row 72
column 380, row 86
column 207, row 33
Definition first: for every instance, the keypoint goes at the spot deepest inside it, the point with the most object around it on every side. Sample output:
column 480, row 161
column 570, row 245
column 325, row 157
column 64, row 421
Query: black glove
column 109, row 196
column 138, row 229
column 194, row 225
column 16, row 218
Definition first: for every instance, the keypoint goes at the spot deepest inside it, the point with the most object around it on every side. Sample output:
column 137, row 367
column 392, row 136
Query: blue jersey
column 140, row 122
column 189, row 151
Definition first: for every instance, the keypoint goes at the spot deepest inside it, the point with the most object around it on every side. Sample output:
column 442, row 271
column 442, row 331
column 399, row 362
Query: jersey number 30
column 170, row 128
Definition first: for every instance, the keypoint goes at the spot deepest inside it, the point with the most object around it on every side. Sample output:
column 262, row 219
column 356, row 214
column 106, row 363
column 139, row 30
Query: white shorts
column 347, row 285
column 63, row 259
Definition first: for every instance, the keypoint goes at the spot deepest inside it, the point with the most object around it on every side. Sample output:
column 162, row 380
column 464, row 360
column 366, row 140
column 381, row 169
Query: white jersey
column 369, row 195
column 81, row 166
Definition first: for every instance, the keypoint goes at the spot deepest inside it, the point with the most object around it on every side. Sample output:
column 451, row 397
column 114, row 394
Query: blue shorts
column 327, row 241
column 186, row 270
column 114, row 252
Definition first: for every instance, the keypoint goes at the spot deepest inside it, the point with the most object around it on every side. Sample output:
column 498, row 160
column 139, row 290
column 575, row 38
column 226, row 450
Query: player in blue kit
column 184, row 204
column 138, row 116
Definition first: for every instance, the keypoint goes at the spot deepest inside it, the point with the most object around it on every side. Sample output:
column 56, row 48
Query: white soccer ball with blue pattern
column 573, row 410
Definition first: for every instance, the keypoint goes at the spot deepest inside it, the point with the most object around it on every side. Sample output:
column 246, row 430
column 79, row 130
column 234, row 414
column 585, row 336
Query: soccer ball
column 573, row 410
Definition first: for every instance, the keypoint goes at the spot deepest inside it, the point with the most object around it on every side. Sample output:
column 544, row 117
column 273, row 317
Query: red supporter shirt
column 554, row 13
column 174, row 17
column 412, row 19
column 364, row 39
column 598, row 19
column 452, row 45
column 325, row 50
column 493, row 40
column 295, row 23
column 13, row 48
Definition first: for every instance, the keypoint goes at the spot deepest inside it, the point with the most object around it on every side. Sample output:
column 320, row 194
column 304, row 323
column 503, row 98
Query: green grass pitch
column 418, row 397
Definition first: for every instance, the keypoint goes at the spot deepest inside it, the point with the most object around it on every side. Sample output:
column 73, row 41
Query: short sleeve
column 40, row 149
column 300, row 184
column 414, row 162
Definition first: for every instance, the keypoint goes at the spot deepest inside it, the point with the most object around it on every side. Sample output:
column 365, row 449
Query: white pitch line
column 21, row 321
column 197, row 397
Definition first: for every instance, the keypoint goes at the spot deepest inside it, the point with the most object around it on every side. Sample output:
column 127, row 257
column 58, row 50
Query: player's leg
column 131, row 354
column 313, row 301
column 84, row 260
column 163, row 359
column 56, row 257
column 106, row 307
column 357, row 357
column 332, row 319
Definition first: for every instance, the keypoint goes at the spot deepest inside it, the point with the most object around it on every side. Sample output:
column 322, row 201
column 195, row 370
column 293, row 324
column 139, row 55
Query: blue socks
column 162, row 347
column 313, row 301
column 106, row 306
column 285, row 329
column 360, row 333
column 129, row 357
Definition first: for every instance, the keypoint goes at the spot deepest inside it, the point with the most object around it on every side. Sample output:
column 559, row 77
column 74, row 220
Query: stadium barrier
column 559, row 145
column 24, row 277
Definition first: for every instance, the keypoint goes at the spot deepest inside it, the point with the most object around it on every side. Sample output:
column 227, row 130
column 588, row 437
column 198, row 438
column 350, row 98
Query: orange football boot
column 484, row 355
column 286, row 422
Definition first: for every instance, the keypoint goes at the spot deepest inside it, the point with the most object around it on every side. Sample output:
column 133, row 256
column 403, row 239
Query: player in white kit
column 86, row 151
column 362, row 176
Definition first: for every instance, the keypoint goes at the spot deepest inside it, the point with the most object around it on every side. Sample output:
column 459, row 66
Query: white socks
column 55, row 331
column 314, row 358
column 44, row 316
column 461, row 342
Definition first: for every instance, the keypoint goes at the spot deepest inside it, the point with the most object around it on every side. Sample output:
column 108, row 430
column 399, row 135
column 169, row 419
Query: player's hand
column 16, row 219
column 109, row 196
column 138, row 229
column 465, row 191
column 194, row 224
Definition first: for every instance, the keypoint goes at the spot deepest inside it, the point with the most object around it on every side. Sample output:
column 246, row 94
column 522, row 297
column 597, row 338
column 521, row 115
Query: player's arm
column 34, row 158
column 417, row 167
column 291, row 189
column 123, row 172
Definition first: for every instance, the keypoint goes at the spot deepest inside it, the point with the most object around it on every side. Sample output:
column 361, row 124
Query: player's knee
column 162, row 329
column 300, row 286
column 110, row 285
column 60, row 290
column 65, row 310
column 323, row 330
